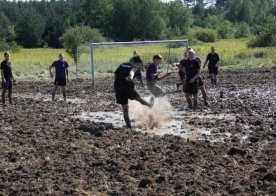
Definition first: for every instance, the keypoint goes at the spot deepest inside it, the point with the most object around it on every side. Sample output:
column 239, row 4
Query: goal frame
column 185, row 43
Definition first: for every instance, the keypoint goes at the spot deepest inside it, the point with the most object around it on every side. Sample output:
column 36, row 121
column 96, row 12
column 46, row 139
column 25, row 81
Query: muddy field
column 81, row 147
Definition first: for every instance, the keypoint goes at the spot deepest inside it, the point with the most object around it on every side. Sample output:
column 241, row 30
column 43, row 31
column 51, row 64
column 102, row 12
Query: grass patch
column 34, row 63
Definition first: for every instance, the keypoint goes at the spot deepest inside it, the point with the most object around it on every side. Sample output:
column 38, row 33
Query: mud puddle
column 48, row 97
column 176, row 124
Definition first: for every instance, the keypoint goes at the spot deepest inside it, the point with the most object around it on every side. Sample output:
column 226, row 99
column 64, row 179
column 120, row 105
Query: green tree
column 74, row 38
column 180, row 17
column 266, row 34
column 30, row 29
column 97, row 12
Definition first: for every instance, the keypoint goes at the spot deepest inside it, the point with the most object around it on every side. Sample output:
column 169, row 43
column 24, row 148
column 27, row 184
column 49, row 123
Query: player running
column 191, row 67
column 153, row 73
column 213, row 59
column 124, row 86
column 61, row 67
column 138, row 73
column 7, row 77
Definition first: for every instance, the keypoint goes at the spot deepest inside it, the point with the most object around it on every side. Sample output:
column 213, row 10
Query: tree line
column 33, row 24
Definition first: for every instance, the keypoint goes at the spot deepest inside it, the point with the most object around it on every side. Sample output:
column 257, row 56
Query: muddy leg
column 126, row 116
column 10, row 95
column 204, row 95
column 189, row 101
column 195, row 101
column 54, row 92
column 64, row 92
column 3, row 95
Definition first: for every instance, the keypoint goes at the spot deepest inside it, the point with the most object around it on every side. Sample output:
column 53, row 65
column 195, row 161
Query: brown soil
column 46, row 151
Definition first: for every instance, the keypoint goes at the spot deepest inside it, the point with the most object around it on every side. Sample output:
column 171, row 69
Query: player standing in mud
column 138, row 73
column 153, row 75
column 7, row 77
column 124, row 86
column 182, row 76
column 213, row 59
column 61, row 67
column 191, row 67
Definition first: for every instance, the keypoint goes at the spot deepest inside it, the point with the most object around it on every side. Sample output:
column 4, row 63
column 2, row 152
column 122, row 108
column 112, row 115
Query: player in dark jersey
column 153, row 75
column 138, row 73
column 7, row 77
column 182, row 76
column 124, row 86
column 61, row 77
column 213, row 59
column 191, row 67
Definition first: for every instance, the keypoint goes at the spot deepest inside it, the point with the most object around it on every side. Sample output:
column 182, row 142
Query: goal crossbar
column 97, row 45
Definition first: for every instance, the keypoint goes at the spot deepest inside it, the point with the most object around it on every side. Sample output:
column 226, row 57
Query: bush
column 206, row 35
column 266, row 34
column 5, row 46
column 242, row 30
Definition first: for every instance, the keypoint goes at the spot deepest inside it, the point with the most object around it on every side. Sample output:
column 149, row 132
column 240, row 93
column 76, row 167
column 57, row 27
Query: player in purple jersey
column 61, row 67
column 7, row 77
column 153, row 75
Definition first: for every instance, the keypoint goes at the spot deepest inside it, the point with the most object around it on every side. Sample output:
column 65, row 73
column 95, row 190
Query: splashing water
column 146, row 117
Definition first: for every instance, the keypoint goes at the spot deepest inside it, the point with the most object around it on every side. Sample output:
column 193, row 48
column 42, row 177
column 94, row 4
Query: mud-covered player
column 212, row 60
column 6, row 77
column 191, row 67
column 124, row 86
column 61, row 77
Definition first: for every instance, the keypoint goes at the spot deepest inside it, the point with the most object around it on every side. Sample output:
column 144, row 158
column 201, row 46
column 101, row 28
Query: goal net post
column 171, row 50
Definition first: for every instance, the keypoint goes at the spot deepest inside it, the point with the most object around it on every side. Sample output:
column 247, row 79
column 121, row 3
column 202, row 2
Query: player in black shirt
column 213, row 59
column 124, row 86
column 191, row 67
column 7, row 77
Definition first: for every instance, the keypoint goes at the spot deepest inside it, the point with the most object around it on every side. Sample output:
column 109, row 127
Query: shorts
column 138, row 75
column 60, row 81
column 123, row 97
column 191, row 88
column 213, row 70
column 7, row 85
column 155, row 89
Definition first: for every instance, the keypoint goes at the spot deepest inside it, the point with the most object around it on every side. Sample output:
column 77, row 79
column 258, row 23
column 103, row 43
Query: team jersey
column 123, row 71
column 60, row 67
column 6, row 67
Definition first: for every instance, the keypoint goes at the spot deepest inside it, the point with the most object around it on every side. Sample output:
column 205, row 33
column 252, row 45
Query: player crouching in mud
column 124, row 86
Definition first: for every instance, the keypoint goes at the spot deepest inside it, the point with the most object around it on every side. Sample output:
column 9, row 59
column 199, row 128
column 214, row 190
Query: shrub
column 206, row 35
column 266, row 34
column 242, row 30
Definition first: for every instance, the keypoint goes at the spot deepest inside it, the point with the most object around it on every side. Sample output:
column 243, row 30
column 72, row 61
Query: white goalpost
column 184, row 43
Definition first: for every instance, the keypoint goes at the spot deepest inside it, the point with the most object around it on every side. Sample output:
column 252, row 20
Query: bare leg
column 10, row 96
column 204, row 94
column 188, row 97
column 3, row 95
column 64, row 93
column 144, row 102
column 126, row 116
column 195, row 101
column 215, row 79
column 212, row 78
column 54, row 92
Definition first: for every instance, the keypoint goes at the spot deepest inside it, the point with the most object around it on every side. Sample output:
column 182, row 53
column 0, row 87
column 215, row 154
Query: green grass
column 34, row 63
